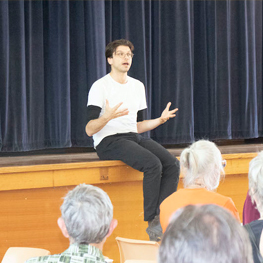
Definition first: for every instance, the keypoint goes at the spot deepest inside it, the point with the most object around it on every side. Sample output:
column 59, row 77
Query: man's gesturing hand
column 115, row 112
column 167, row 114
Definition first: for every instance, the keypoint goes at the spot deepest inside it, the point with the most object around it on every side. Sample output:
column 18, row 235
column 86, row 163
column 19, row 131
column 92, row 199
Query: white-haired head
column 202, row 163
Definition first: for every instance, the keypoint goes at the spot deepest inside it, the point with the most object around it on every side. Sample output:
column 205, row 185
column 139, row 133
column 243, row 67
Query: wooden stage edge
column 31, row 191
column 31, row 172
column 97, row 172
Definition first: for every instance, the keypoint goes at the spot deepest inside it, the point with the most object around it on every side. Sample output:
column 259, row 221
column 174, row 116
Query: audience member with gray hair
column 255, row 177
column 202, row 167
column 205, row 234
column 86, row 220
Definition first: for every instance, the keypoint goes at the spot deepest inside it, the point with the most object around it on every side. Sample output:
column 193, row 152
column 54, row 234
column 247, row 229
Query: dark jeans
column 161, row 169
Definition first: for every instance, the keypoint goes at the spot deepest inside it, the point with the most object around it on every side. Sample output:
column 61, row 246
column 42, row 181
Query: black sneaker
column 154, row 229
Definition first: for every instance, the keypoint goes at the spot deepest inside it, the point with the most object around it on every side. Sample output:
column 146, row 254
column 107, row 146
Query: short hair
column 87, row 212
column 112, row 46
column 255, row 177
column 205, row 234
column 202, row 161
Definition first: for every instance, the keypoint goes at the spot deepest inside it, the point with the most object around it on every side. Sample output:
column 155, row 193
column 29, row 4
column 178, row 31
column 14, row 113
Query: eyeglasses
column 224, row 163
column 123, row 55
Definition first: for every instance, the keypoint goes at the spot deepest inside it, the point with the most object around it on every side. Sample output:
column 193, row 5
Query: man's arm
column 148, row 125
column 94, row 126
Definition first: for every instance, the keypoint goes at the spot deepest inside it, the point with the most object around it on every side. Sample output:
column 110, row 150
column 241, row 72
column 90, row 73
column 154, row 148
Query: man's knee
column 173, row 161
column 153, row 166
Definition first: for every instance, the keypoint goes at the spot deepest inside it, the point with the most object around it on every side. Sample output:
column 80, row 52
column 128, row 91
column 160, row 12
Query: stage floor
column 26, row 160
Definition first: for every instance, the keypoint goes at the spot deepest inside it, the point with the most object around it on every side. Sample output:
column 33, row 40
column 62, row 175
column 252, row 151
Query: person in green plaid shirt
column 86, row 220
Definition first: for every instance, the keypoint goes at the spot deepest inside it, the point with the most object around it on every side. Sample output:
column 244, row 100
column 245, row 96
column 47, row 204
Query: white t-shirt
column 132, row 94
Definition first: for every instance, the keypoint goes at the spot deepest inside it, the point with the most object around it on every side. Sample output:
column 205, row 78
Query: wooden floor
column 43, row 159
column 31, row 191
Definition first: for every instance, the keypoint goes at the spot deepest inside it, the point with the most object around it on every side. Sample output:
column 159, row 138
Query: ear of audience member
column 204, row 234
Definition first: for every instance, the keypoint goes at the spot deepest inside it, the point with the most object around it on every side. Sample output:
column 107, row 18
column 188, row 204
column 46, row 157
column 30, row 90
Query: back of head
column 112, row 46
column 87, row 212
column 205, row 234
column 202, row 162
column 255, row 176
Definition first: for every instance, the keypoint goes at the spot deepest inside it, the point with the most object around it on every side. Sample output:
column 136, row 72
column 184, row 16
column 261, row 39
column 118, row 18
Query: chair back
column 21, row 254
column 133, row 250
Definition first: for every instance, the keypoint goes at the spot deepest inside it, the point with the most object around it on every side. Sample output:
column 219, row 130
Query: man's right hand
column 115, row 112
column 94, row 126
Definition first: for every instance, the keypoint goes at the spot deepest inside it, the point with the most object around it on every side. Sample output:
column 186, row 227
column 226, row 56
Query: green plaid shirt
column 74, row 254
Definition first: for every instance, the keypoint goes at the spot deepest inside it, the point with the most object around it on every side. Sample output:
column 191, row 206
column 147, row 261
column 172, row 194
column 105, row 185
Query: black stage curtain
column 203, row 56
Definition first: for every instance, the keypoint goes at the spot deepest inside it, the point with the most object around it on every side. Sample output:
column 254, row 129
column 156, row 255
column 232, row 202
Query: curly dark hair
column 112, row 46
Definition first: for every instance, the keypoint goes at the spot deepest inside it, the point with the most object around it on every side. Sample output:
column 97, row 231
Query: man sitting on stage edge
column 115, row 109
column 87, row 221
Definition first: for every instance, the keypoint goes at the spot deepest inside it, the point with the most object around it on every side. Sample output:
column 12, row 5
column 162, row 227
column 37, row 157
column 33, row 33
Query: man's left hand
column 167, row 113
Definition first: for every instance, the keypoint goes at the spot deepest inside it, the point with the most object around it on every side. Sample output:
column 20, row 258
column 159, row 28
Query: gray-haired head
column 255, row 177
column 87, row 212
column 205, row 234
column 202, row 163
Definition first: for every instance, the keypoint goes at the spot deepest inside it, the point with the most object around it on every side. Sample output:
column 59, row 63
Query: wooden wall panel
column 95, row 172
column 29, row 217
column 30, row 197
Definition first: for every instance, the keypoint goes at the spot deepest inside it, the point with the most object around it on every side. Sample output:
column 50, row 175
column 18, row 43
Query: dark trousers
column 161, row 169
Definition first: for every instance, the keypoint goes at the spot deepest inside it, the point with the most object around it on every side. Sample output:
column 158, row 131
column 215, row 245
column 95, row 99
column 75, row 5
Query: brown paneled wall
column 29, row 216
